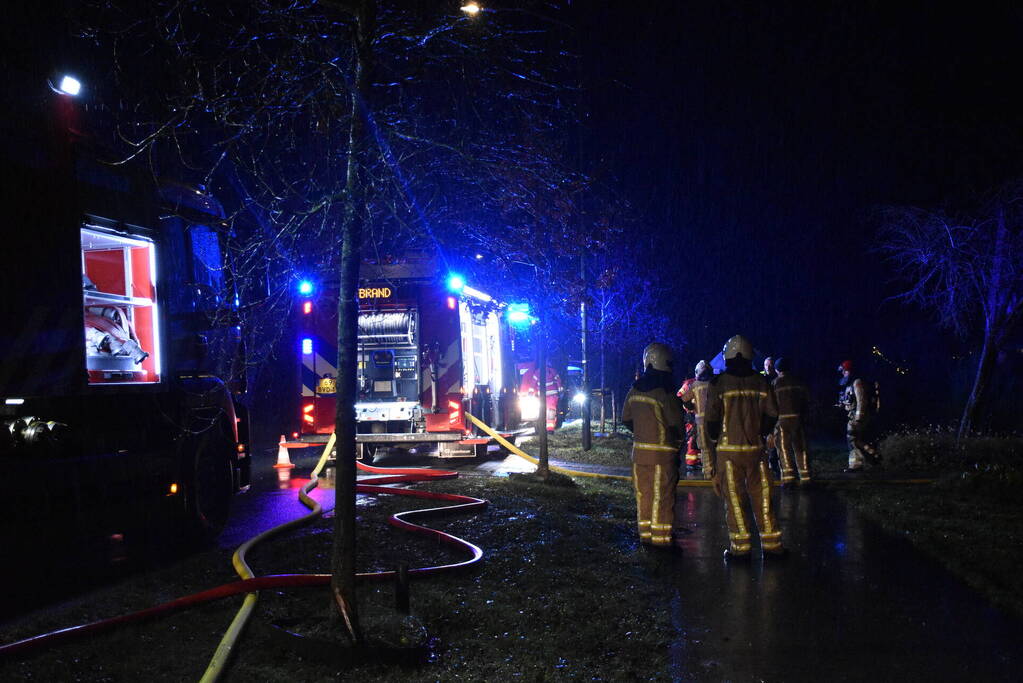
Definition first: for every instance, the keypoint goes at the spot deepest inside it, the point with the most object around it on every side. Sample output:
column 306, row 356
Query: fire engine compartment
column 121, row 333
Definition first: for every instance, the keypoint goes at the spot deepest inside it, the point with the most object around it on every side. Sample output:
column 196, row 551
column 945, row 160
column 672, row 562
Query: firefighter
column 689, row 440
column 772, row 448
column 793, row 396
column 694, row 399
column 741, row 412
column 654, row 414
column 860, row 403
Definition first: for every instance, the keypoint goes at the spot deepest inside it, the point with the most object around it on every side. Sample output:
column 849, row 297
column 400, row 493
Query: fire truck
column 431, row 347
column 121, row 362
column 529, row 394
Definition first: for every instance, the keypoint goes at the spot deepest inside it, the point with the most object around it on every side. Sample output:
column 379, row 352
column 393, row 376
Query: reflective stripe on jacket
column 739, row 404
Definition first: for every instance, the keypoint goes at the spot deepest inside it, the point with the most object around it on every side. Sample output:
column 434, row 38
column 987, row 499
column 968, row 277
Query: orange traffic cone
column 283, row 457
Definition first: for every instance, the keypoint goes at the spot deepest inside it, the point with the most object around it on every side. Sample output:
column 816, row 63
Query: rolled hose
column 250, row 584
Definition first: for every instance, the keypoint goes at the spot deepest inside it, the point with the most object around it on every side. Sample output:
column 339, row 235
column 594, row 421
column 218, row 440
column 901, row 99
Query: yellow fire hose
column 682, row 482
column 563, row 470
column 223, row 653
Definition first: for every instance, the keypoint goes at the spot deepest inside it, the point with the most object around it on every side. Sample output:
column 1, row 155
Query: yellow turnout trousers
column 746, row 477
column 655, row 501
column 791, row 443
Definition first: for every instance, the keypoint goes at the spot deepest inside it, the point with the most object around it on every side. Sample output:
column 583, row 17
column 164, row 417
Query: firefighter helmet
column 701, row 367
column 845, row 366
column 737, row 346
column 658, row 356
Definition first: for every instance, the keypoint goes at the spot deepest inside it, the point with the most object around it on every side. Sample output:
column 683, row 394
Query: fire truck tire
column 209, row 484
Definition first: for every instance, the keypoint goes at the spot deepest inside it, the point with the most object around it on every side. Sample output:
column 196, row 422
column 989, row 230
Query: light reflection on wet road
column 851, row 602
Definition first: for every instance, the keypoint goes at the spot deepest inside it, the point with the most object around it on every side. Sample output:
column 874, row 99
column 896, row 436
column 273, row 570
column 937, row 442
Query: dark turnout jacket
column 792, row 395
column 654, row 414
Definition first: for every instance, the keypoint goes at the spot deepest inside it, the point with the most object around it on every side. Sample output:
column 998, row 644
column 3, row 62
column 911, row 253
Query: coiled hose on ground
column 251, row 584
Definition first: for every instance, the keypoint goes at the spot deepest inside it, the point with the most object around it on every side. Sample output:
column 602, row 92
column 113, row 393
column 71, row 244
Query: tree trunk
column 342, row 561
column 980, row 384
column 543, row 468
column 993, row 321
column 603, row 376
column 586, row 406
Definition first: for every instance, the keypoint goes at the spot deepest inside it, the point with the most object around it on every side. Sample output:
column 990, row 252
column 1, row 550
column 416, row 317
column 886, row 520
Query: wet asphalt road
column 850, row 603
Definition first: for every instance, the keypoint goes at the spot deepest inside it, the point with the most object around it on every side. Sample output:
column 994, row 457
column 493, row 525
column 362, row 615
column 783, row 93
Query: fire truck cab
column 430, row 349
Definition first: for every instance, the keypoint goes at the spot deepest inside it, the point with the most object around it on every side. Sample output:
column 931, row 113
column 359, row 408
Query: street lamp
column 471, row 9
column 69, row 85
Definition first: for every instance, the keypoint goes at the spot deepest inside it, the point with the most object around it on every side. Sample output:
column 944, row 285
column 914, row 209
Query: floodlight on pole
column 69, row 85
column 471, row 9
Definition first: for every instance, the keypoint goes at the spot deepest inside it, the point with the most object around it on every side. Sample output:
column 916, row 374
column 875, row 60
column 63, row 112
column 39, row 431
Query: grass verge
column 976, row 538
column 970, row 519
column 613, row 450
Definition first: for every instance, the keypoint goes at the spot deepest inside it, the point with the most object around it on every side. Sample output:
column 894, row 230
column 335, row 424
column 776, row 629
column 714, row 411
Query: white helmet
column 701, row 367
column 738, row 346
column 658, row 356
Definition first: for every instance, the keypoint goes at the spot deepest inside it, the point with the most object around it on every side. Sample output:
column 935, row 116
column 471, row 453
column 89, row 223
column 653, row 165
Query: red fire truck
column 120, row 363
column 430, row 348
column 529, row 394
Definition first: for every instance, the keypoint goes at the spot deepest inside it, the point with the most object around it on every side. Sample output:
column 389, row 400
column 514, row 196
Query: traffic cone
column 283, row 457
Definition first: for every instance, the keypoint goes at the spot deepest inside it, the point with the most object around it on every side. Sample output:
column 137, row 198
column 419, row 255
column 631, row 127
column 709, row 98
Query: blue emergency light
column 305, row 287
column 518, row 314
column 456, row 283
column 307, row 347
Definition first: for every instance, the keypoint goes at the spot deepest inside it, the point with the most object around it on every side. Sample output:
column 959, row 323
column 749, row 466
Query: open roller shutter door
column 391, row 328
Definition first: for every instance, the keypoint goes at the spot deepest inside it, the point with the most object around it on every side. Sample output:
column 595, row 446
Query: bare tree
column 968, row 271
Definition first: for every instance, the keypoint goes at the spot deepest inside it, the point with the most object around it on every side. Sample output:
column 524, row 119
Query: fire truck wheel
column 209, row 483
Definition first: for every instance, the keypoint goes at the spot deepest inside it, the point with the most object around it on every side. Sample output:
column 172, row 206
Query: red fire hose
column 399, row 520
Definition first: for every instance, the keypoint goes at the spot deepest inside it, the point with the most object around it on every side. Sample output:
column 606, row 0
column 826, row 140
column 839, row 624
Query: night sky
column 755, row 142
column 757, row 139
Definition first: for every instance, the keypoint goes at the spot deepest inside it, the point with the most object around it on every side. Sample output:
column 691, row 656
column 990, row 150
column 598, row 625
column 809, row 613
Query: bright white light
column 307, row 346
column 69, row 85
column 471, row 8
column 479, row 257
column 14, row 401
column 456, row 283
column 579, row 398
column 529, row 406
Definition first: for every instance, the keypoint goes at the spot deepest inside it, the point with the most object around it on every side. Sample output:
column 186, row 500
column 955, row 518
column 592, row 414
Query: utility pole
column 587, row 437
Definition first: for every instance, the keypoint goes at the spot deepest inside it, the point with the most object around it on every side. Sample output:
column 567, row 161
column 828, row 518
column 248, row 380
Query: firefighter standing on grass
column 860, row 401
column 694, row 396
column 741, row 412
column 792, row 395
column 654, row 414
